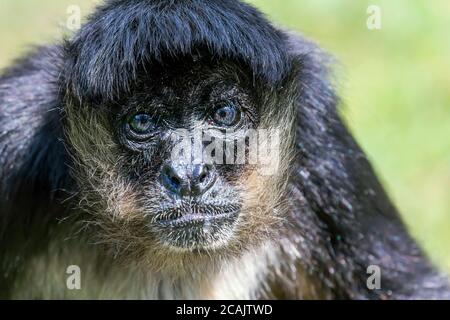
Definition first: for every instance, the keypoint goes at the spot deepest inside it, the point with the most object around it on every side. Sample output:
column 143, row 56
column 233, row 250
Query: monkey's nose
column 187, row 180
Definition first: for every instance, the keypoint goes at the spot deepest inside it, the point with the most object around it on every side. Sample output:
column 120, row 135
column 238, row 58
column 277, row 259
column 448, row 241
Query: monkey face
column 178, row 167
column 191, row 198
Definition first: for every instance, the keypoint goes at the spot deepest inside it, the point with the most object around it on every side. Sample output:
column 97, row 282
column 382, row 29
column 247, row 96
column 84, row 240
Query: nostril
column 202, row 177
column 174, row 181
column 170, row 179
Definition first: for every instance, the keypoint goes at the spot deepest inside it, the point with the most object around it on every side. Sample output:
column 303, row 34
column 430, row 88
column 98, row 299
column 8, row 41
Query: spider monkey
column 88, row 176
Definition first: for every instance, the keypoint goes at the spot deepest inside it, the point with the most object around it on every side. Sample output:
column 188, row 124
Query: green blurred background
column 395, row 84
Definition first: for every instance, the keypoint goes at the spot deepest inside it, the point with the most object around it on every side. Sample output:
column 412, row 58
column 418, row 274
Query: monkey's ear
column 32, row 155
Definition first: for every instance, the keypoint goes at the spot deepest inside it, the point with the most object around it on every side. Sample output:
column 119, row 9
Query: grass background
column 395, row 88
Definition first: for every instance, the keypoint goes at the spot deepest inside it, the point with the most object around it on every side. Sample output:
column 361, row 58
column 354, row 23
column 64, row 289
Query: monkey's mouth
column 194, row 214
column 193, row 219
column 196, row 226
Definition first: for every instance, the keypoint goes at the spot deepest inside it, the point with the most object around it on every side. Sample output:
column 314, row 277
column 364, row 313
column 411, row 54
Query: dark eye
column 227, row 115
column 141, row 123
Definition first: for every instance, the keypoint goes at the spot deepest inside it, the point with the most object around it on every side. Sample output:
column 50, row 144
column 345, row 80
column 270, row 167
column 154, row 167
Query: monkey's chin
column 197, row 231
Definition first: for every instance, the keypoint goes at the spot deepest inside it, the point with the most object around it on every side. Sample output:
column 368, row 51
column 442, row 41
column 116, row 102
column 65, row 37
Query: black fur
column 340, row 217
column 105, row 56
column 346, row 217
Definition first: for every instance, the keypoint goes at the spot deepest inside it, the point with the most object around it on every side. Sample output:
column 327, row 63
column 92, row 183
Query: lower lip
column 196, row 219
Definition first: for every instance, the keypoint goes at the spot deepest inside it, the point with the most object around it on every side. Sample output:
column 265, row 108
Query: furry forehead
column 104, row 56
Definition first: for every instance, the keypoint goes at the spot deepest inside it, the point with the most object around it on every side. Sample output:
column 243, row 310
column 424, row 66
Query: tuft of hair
column 104, row 58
